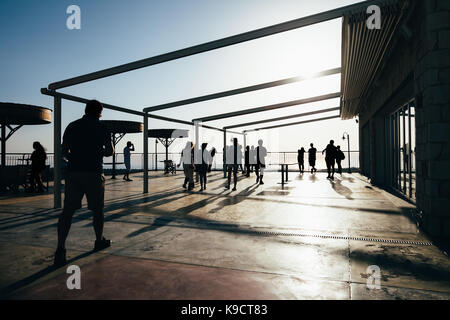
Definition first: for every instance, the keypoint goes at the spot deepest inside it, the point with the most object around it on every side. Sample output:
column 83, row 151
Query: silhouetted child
column 339, row 157
column 301, row 160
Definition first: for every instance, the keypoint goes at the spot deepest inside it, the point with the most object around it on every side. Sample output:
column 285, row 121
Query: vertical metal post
column 245, row 142
column 404, row 149
column 145, row 153
column 409, row 151
column 348, row 150
column 399, row 164
column 197, row 153
column 156, row 154
column 113, row 137
column 224, row 153
column 57, row 152
column 3, row 144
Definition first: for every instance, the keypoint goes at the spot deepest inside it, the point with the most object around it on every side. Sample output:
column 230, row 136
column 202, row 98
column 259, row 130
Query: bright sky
column 37, row 49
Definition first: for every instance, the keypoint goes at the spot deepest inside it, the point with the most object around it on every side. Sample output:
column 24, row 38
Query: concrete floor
column 312, row 239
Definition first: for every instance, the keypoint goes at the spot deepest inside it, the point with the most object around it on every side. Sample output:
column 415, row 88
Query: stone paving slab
column 129, row 278
column 268, row 241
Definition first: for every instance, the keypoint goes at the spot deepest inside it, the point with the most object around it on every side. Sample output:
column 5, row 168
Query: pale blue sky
column 38, row 49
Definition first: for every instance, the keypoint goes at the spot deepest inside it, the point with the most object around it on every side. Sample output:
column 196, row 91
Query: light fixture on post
column 348, row 148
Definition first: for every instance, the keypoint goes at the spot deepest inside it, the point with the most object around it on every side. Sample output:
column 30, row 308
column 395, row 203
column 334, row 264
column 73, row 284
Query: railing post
column 3, row 144
column 57, row 157
column 348, row 146
column 224, row 153
column 145, row 153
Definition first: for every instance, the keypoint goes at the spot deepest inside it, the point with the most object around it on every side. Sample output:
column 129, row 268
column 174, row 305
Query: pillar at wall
column 432, row 86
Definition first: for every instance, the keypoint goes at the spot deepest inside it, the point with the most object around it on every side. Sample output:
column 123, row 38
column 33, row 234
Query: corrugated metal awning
column 363, row 50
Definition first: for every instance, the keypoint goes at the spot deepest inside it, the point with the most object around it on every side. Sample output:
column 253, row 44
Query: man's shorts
column 78, row 184
column 127, row 164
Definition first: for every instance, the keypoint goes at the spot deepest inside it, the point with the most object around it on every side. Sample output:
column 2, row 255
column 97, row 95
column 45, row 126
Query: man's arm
column 108, row 151
column 65, row 145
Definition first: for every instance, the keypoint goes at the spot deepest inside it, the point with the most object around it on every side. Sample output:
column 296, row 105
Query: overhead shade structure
column 167, row 137
column 118, row 129
column 282, row 118
column 363, row 50
column 269, row 107
column 293, row 123
column 14, row 114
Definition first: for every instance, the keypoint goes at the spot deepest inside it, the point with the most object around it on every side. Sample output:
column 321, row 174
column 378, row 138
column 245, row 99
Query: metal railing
column 273, row 160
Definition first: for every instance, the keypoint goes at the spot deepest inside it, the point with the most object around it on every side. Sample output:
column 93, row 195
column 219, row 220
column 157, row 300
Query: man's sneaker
column 102, row 244
column 60, row 258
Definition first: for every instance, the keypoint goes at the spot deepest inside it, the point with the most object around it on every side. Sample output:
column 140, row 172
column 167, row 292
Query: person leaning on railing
column 38, row 158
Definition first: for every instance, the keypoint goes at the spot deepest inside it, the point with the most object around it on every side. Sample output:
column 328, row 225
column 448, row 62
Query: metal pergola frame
column 201, row 48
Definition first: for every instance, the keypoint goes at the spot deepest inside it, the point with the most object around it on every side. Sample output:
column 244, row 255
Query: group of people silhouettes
column 333, row 156
column 200, row 161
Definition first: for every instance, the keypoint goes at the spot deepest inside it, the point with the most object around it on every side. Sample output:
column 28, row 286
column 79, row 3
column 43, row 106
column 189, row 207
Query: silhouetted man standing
column 312, row 158
column 261, row 153
column 330, row 157
column 127, row 160
column 85, row 142
column 234, row 159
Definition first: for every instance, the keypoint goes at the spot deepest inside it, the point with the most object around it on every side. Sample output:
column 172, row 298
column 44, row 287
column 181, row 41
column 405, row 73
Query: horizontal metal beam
column 283, row 118
column 83, row 100
column 292, row 124
column 216, row 44
column 242, row 90
column 270, row 107
column 120, row 109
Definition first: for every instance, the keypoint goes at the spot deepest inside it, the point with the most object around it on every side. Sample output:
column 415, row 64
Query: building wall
column 432, row 86
column 416, row 67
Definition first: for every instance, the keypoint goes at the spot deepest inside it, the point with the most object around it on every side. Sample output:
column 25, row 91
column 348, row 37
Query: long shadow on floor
column 40, row 274
column 158, row 223
column 394, row 264
column 341, row 189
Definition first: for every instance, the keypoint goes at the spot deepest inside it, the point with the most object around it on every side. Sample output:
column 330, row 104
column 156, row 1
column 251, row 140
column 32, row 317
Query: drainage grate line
column 324, row 236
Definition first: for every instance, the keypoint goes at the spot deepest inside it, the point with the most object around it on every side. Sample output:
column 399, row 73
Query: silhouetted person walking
column 339, row 157
column 85, row 142
column 203, row 167
column 312, row 158
column 330, row 157
column 261, row 153
column 234, row 158
column 301, row 160
column 252, row 158
column 127, row 160
column 247, row 161
column 187, row 157
column 213, row 154
column 38, row 158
